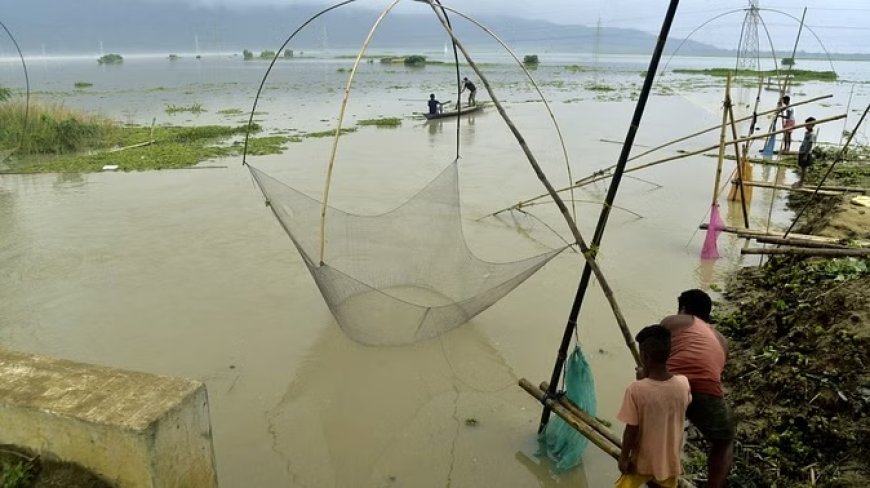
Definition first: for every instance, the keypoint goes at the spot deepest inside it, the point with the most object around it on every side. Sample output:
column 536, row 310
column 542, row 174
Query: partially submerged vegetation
column 795, row 74
column 51, row 129
column 382, row 122
column 530, row 60
column 82, row 84
column 799, row 331
column 194, row 108
column 110, row 59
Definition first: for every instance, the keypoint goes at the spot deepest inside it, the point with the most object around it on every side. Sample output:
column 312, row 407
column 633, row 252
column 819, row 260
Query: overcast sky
column 843, row 25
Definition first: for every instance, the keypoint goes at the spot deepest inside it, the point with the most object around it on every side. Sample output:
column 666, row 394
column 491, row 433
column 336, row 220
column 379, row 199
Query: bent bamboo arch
column 349, row 85
column 26, row 125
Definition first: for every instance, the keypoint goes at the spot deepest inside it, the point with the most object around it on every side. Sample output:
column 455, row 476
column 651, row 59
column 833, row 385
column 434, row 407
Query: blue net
column 563, row 444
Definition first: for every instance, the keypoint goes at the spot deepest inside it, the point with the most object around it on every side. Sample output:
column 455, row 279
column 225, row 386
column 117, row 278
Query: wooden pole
column 773, row 186
column 741, row 162
column 721, row 159
column 793, row 241
column 762, row 233
column 582, row 287
column 585, row 417
column 807, row 252
column 704, row 131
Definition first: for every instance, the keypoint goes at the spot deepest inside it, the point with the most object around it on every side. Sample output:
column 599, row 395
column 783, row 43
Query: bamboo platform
column 752, row 234
column 587, row 425
column 797, row 189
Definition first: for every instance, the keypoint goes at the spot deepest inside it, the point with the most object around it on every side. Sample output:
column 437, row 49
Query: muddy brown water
column 187, row 273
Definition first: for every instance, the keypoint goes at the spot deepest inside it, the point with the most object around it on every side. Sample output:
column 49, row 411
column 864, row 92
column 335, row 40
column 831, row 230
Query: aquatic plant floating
column 398, row 277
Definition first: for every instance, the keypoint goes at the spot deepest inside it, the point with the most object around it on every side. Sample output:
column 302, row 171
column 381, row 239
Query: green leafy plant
column 530, row 59
column 110, row 59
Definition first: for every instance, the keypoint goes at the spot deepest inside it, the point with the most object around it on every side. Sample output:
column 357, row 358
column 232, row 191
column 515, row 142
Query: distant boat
column 454, row 113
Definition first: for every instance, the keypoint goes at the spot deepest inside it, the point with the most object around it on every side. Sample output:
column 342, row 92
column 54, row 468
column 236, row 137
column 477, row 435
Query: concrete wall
column 134, row 429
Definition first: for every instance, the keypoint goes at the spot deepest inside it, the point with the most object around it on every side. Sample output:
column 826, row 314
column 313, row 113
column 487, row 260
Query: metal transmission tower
column 747, row 51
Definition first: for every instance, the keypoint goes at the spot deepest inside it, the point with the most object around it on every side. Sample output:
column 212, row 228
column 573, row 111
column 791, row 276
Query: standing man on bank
column 699, row 352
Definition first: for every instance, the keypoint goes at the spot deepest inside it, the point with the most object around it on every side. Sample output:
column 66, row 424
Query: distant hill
column 136, row 26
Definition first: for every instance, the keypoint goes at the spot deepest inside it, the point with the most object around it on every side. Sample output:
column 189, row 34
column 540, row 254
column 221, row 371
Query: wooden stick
column 585, row 417
column 704, row 131
column 807, row 252
column 533, row 162
column 721, row 157
column 773, row 186
column 740, row 162
column 792, row 241
column 341, row 112
column 596, row 438
column 756, row 233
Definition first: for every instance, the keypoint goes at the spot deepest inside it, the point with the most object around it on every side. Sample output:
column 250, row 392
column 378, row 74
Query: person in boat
column 699, row 352
column 805, row 152
column 653, row 410
column 435, row 106
column 472, row 90
column 787, row 114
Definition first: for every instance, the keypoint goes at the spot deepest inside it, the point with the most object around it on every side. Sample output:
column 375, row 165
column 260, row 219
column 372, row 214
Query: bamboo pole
column 762, row 233
column 591, row 265
column 603, row 443
column 704, row 131
column 341, row 112
column 721, row 158
column 588, row 253
column 807, row 252
column 792, row 241
column 584, row 416
column 740, row 166
column 709, row 148
column 603, row 174
column 773, row 186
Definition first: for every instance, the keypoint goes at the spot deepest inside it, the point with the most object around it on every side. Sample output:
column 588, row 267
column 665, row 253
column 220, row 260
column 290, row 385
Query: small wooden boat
column 454, row 113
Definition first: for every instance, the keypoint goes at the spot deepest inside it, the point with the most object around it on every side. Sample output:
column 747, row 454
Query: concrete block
column 134, row 429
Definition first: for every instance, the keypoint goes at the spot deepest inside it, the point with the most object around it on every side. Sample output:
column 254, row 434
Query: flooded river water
column 187, row 273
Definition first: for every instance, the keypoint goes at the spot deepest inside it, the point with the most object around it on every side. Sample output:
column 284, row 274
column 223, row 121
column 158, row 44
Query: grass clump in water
column 83, row 84
column 795, row 74
column 267, row 54
column 329, row 133
column 110, row 59
column 600, row 87
column 195, row 108
column 531, row 60
column 230, row 111
column 382, row 122
column 263, row 146
column 51, row 129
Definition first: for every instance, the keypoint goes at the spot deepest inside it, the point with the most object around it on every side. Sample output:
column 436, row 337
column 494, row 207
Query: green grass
column 599, row 87
column 51, row 129
column 382, row 122
column 83, row 84
column 15, row 475
column 231, row 111
column 174, row 147
column 329, row 133
column 110, row 59
column 5, row 94
column 267, row 54
column 195, row 108
column 262, row 146
column 795, row 74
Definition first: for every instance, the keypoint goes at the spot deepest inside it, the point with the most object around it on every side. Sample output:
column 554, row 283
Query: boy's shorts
column 639, row 480
column 711, row 415
column 788, row 125
column 805, row 160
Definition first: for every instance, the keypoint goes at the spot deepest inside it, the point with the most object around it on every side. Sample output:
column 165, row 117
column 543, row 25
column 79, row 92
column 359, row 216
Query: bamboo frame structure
column 796, row 189
column 601, row 175
column 795, row 242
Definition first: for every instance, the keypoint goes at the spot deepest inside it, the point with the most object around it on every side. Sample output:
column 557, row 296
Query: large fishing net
column 401, row 276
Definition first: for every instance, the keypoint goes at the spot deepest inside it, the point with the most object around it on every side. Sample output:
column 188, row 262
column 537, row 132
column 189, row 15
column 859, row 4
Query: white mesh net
column 402, row 276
